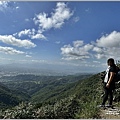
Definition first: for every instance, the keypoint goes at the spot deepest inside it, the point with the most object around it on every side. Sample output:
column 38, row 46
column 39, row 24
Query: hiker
column 109, row 82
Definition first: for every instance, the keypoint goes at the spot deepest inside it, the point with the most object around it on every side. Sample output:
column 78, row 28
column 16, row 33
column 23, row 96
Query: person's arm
column 112, row 74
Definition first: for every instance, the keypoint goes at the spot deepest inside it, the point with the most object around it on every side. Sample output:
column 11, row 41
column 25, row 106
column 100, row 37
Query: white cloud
column 3, row 5
column 31, row 33
column 110, row 40
column 100, row 52
column 11, row 40
column 78, row 43
column 17, row 7
column 38, row 36
column 28, row 56
column 57, row 19
column 9, row 50
column 98, row 49
column 105, row 47
column 78, row 51
column 100, row 56
column 8, row 5
column 26, row 32
column 108, row 46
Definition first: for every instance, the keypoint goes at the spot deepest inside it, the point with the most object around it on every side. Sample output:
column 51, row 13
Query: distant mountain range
column 36, row 69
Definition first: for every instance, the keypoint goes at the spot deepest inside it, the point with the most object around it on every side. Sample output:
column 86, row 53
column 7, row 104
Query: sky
column 74, row 36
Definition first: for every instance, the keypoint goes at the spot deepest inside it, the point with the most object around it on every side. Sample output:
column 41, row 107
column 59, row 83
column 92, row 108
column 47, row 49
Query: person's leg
column 111, row 97
column 105, row 98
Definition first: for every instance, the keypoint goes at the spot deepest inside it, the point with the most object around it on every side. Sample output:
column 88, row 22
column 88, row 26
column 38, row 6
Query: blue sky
column 76, row 36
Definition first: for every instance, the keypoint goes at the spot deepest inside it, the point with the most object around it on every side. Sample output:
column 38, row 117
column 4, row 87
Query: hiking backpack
column 117, row 78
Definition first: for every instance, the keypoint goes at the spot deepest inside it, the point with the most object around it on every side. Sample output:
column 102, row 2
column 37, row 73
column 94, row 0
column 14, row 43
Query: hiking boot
column 110, row 106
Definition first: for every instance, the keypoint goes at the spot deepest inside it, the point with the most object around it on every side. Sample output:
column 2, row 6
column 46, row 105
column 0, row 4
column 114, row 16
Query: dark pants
column 108, row 92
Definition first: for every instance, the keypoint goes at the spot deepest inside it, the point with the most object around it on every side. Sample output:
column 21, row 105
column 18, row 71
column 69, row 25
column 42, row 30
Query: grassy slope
column 86, row 93
column 9, row 98
column 43, row 88
column 78, row 100
column 57, row 89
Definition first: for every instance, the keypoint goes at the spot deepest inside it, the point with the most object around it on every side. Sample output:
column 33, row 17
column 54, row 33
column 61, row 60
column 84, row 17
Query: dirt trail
column 110, row 113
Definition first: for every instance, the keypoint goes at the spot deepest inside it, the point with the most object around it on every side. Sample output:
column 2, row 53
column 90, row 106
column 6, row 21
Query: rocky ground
column 110, row 113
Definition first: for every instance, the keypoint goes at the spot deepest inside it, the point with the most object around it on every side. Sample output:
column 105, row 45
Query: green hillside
column 77, row 99
column 73, row 101
column 42, row 88
column 9, row 98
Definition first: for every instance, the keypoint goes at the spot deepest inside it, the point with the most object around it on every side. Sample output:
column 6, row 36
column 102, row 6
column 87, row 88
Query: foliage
column 65, row 108
column 9, row 98
column 60, row 98
column 73, row 101
column 42, row 88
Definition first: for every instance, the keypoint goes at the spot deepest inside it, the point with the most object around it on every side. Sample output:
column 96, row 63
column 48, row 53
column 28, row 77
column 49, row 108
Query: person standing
column 109, row 82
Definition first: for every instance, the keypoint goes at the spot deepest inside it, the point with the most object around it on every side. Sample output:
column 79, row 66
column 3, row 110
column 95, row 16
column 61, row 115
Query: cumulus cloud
column 110, row 40
column 38, row 36
column 31, row 33
column 78, row 43
column 9, row 50
column 105, row 47
column 11, row 40
column 77, row 51
column 44, row 22
column 26, row 32
column 100, row 56
column 98, row 50
column 108, row 46
column 57, row 19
